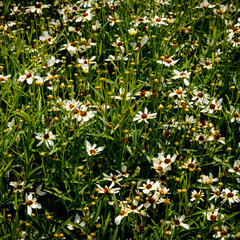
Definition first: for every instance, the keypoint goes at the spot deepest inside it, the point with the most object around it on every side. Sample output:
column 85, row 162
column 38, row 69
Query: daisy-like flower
column 178, row 222
column 113, row 178
column 196, row 196
column 137, row 45
column 93, row 150
column 206, row 63
column 46, row 138
column 205, row 4
column 31, row 204
column 83, row 114
column 107, row 190
column 132, row 32
column 70, row 47
column 38, row 7
column 123, row 95
column 113, row 19
column 208, row 180
column 86, row 3
column 84, row 17
column 149, row 186
column 200, row 97
column 4, row 79
column 182, row 75
column 230, row 196
column 28, row 76
column 77, row 221
column 222, row 234
column 214, row 106
column 236, row 168
column 180, row 93
column 47, row 38
column 157, row 21
column 144, row 93
column 212, row 214
column 18, row 186
column 216, row 193
column 127, row 209
column 141, row 20
column 140, row 116
column 85, row 63
column 190, row 164
column 234, row 113
column 167, row 61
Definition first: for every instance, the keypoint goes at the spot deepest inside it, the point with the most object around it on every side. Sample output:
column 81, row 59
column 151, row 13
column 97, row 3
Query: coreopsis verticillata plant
column 84, row 114
column 215, row 193
column 236, row 168
column 78, row 221
column 234, row 114
column 28, row 76
column 144, row 93
column 137, row 45
column 108, row 190
column 123, row 95
column 197, row 196
column 182, row 75
column 207, row 179
column 200, row 97
column 4, row 79
column 84, row 17
column 149, row 186
column 71, row 47
column 191, row 164
column 113, row 178
column 46, row 138
column 157, row 21
column 205, row 4
column 93, row 150
column 178, row 222
column 168, row 61
column 230, row 196
column 38, row 7
column 19, row 186
column 213, row 106
column 213, row 214
column 144, row 116
column 180, row 93
column 222, row 233
column 31, row 203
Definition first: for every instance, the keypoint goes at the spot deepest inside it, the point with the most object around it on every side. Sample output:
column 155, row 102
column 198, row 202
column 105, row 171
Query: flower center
column 167, row 160
column 46, row 136
column 92, row 152
column 29, row 202
column 230, row 195
column 85, row 14
column 158, row 20
column 144, row 116
column 213, row 217
column 212, row 106
column 83, row 113
column 235, row 115
column 148, row 186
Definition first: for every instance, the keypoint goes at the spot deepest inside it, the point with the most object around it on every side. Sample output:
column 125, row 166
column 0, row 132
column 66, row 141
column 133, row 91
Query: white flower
column 86, row 16
column 132, row 32
column 46, row 138
column 214, row 106
column 208, row 179
column 113, row 178
column 123, row 95
column 182, row 75
column 78, row 221
column 230, row 196
column 168, row 61
column 149, row 186
column 212, row 214
column 107, row 190
column 196, row 196
column 180, row 93
column 157, row 21
column 31, row 203
column 17, row 185
column 236, row 168
column 38, row 7
column 140, row 116
column 92, row 149
column 179, row 222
